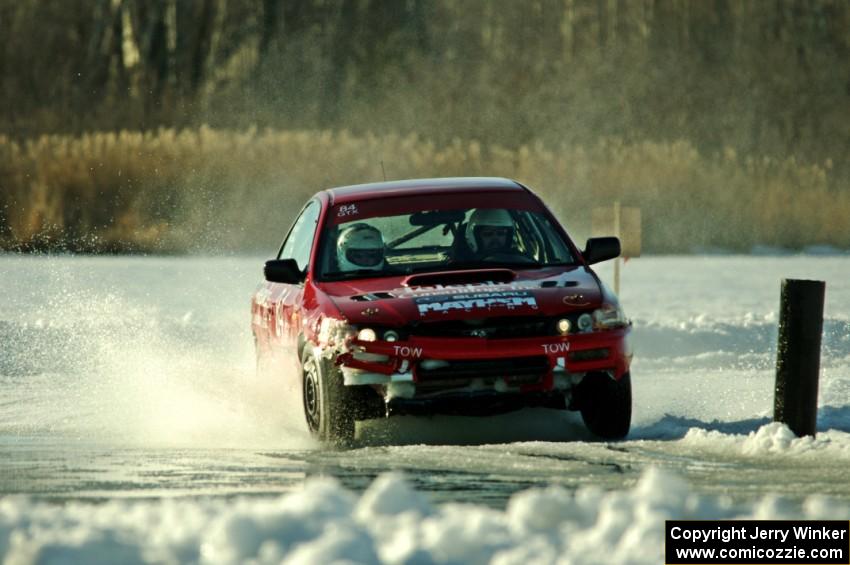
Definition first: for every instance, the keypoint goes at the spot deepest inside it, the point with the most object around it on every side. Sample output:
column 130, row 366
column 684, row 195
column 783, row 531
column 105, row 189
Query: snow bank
column 389, row 523
column 773, row 438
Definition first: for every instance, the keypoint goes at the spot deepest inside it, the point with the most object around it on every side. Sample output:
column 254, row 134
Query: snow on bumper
column 558, row 358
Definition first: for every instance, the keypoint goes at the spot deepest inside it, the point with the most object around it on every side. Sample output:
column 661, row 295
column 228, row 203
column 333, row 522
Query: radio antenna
column 383, row 171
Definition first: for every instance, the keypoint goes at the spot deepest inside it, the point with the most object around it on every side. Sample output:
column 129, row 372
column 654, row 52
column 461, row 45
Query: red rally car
column 461, row 296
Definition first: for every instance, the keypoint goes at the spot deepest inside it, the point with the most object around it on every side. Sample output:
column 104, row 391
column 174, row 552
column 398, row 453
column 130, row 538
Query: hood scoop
column 372, row 296
column 550, row 284
column 460, row 277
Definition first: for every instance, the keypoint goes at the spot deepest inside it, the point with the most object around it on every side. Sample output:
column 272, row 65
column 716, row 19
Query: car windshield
column 360, row 245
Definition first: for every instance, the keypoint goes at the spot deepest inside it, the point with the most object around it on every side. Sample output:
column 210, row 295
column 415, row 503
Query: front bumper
column 430, row 365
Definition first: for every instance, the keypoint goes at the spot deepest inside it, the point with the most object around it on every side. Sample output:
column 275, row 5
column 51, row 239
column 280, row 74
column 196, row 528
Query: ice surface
column 134, row 377
column 157, row 351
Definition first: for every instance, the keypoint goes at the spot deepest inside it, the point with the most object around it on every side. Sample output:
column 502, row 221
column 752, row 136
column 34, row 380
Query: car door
column 284, row 301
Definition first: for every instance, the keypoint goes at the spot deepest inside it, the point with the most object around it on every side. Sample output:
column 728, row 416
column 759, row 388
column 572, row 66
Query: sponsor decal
column 475, row 301
column 575, row 300
column 557, row 348
column 405, row 351
column 347, row 210
column 442, row 290
column 370, row 311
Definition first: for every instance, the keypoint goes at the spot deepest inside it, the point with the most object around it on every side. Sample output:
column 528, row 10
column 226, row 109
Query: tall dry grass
column 209, row 190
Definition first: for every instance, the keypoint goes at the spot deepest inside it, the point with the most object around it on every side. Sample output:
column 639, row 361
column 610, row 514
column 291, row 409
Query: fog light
column 367, row 334
column 390, row 335
column 563, row 326
column 585, row 322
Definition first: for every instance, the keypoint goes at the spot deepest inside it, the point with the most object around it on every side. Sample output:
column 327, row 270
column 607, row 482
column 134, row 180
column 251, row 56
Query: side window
column 556, row 249
column 299, row 242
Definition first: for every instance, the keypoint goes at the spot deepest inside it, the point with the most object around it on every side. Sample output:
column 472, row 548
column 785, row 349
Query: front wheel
column 327, row 404
column 606, row 405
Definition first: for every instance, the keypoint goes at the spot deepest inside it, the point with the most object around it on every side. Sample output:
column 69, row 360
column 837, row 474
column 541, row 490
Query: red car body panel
column 287, row 318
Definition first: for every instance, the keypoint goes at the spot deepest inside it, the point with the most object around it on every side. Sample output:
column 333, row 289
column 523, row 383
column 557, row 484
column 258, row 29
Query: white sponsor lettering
column 556, row 347
column 405, row 351
column 439, row 289
column 477, row 300
column 450, row 305
column 349, row 210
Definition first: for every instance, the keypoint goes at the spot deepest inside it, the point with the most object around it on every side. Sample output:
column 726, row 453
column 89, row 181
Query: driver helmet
column 360, row 246
column 490, row 229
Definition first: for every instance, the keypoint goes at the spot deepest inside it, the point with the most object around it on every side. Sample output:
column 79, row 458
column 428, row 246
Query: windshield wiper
column 359, row 273
column 464, row 265
column 529, row 264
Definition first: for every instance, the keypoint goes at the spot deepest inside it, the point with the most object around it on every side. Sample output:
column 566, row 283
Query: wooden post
column 617, row 260
column 622, row 222
column 798, row 355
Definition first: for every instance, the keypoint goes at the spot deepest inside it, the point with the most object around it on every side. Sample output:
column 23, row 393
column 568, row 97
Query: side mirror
column 600, row 249
column 283, row 271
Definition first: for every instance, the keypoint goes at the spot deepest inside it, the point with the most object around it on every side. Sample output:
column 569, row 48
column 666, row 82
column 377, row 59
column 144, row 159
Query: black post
column 798, row 355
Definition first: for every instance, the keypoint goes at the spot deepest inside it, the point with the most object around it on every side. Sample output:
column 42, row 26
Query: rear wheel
column 328, row 404
column 606, row 405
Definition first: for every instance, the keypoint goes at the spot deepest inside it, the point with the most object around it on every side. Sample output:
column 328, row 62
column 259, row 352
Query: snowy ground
column 132, row 429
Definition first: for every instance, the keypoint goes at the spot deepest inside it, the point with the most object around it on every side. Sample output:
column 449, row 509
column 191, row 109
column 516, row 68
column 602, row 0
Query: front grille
column 590, row 354
column 516, row 370
column 490, row 328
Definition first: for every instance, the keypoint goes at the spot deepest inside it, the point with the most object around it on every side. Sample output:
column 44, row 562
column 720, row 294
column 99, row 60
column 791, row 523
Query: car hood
column 396, row 301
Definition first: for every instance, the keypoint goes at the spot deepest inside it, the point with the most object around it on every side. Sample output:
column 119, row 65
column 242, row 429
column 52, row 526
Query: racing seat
column 460, row 250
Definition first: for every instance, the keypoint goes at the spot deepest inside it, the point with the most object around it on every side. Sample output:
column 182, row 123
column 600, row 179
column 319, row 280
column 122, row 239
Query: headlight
column 563, row 326
column 367, row 334
column 608, row 317
column 585, row 322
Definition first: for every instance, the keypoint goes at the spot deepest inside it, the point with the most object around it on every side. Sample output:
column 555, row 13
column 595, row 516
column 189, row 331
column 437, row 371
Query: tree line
column 756, row 76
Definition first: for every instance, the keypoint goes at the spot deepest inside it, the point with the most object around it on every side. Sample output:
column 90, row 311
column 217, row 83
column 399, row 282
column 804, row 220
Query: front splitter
column 475, row 404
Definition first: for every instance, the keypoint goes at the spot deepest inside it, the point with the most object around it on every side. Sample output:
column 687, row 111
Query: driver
column 360, row 247
column 490, row 231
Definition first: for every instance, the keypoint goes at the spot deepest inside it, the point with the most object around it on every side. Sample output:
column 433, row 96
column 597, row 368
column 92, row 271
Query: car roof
column 360, row 192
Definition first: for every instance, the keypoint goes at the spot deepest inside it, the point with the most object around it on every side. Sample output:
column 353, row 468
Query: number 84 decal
column 347, row 210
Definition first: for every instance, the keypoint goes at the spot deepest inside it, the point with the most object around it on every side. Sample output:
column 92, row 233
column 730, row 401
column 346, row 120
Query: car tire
column 328, row 404
column 606, row 405
column 366, row 403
